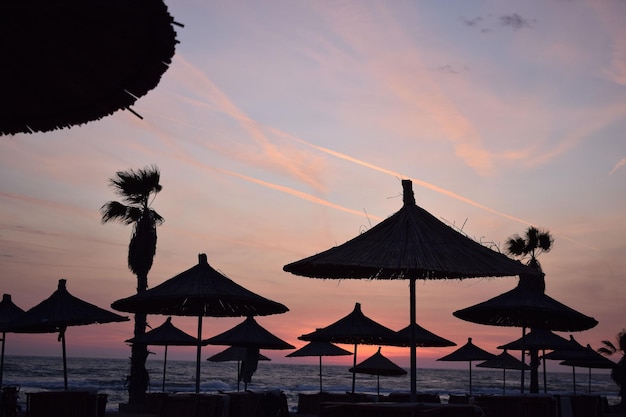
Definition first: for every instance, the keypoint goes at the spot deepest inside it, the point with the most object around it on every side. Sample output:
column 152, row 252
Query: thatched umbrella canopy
column 356, row 329
column 469, row 352
column 527, row 306
column 319, row 349
column 58, row 312
column 9, row 313
column 411, row 244
column 503, row 361
column 378, row 365
column 69, row 62
column 423, row 337
column 165, row 335
column 198, row 292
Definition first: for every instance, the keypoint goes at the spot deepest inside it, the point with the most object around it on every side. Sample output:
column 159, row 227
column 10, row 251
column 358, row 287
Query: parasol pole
column 320, row 373
column 412, row 340
column 198, row 354
column 503, row 380
column 354, row 366
column 4, row 336
column 545, row 383
column 238, row 374
column 164, row 364
column 574, row 376
column 470, row 372
column 523, row 361
column 62, row 339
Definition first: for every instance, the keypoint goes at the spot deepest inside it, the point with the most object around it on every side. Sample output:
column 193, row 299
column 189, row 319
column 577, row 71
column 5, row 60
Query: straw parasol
column 165, row 335
column 503, row 361
column 575, row 355
column 357, row 329
column 527, row 306
column 411, row 244
column 534, row 341
column 200, row 291
column 252, row 336
column 423, row 337
column 234, row 353
column 378, row 365
column 9, row 313
column 469, row 352
column 319, row 349
column 69, row 62
column 58, row 312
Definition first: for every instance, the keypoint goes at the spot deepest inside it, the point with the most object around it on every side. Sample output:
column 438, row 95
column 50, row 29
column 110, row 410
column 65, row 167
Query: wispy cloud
column 618, row 166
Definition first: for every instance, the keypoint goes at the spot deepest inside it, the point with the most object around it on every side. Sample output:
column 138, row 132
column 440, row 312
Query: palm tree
column 533, row 244
column 137, row 190
column 618, row 373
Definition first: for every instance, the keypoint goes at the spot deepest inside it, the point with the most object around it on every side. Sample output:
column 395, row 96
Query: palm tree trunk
column 138, row 381
column 534, row 371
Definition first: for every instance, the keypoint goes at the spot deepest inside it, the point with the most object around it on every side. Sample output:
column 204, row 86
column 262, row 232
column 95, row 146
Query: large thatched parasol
column 58, row 312
column 357, row 329
column 411, row 244
column 469, row 352
column 200, row 291
column 165, row 335
column 319, row 349
column 527, row 306
column 9, row 313
column 69, row 62
column 378, row 365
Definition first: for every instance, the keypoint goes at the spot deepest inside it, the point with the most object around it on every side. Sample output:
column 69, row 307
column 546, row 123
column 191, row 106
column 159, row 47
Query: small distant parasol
column 503, row 361
column 319, row 349
column 467, row 353
column 9, row 313
column 58, row 312
column 357, row 329
column 165, row 335
column 235, row 353
column 378, row 365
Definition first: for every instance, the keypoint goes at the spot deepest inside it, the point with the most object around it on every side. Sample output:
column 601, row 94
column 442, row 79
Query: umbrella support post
column 198, row 354
column 4, row 335
column 354, row 366
column 164, row 365
column 238, row 375
column 545, row 382
column 470, row 373
column 523, row 361
column 320, row 373
column 62, row 337
column 412, row 342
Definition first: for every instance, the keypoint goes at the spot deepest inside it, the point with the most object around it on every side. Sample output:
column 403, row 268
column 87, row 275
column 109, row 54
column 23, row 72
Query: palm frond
column 115, row 211
column 136, row 186
column 516, row 245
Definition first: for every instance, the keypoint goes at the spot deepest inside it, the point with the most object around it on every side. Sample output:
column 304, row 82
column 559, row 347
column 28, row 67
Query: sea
column 108, row 376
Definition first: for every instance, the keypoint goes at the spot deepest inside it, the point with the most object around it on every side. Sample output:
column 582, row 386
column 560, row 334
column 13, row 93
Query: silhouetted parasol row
column 411, row 244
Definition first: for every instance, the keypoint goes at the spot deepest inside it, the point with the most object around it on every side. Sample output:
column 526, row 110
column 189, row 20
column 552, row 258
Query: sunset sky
column 283, row 128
